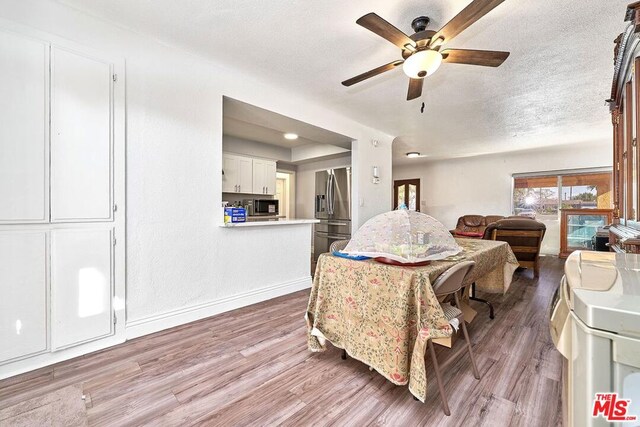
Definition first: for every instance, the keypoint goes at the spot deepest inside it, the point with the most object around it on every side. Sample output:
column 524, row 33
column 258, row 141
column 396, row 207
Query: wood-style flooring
column 252, row 367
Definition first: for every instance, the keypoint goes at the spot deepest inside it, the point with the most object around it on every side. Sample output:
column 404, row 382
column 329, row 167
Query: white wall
column 370, row 199
column 180, row 264
column 482, row 185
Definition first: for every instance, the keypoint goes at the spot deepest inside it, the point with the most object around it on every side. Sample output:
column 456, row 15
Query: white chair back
column 338, row 245
column 451, row 280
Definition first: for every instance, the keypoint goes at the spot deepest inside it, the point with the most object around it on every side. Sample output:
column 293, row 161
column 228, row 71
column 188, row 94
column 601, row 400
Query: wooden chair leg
column 436, row 369
column 536, row 269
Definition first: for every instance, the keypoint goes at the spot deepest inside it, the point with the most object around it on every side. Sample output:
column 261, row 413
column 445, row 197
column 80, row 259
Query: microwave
column 258, row 207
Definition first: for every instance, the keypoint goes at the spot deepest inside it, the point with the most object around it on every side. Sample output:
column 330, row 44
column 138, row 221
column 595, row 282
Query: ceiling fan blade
column 371, row 73
column 487, row 58
column 470, row 14
column 373, row 22
column 415, row 89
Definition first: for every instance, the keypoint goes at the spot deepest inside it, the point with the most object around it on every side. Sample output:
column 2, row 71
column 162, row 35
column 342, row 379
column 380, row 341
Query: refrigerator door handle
column 332, row 197
column 326, row 194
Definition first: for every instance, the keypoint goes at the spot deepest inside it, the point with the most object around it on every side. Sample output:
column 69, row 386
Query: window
column 540, row 196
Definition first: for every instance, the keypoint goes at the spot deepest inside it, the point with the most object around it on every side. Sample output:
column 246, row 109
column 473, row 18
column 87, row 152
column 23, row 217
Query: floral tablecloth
column 383, row 315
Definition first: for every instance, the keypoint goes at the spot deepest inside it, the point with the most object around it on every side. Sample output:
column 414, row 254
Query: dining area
column 400, row 291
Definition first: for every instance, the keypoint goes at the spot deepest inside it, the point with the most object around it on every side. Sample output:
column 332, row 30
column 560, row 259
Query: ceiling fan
column 421, row 52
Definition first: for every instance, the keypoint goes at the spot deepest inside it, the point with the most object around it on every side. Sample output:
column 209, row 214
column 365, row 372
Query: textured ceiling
column 550, row 91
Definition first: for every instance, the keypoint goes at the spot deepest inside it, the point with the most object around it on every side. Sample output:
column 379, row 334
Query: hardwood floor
column 251, row 367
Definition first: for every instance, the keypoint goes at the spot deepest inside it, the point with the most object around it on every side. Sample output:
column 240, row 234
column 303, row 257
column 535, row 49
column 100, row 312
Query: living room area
column 170, row 170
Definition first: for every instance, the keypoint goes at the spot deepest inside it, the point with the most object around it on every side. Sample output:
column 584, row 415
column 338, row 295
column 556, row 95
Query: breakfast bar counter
column 270, row 223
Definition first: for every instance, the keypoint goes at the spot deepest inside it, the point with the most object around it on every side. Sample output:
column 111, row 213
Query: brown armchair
column 524, row 235
column 474, row 225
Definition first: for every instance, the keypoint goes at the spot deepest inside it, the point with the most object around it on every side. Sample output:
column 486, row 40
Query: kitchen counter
column 270, row 223
column 264, row 217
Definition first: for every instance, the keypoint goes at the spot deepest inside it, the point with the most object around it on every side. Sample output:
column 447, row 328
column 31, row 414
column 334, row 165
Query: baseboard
column 148, row 325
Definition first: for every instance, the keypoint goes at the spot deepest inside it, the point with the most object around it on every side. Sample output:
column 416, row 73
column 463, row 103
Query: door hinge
column 114, row 241
column 115, row 208
column 115, row 77
column 115, row 318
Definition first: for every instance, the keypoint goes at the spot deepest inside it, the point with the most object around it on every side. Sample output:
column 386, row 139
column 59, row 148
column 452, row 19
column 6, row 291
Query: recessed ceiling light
column 291, row 136
column 413, row 154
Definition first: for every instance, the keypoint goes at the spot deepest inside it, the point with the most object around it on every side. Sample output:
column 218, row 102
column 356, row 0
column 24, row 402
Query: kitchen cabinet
column 237, row 174
column 264, row 176
column 248, row 175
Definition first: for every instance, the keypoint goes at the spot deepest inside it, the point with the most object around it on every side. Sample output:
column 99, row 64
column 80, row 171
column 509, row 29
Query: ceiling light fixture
column 413, row 154
column 422, row 63
column 291, row 136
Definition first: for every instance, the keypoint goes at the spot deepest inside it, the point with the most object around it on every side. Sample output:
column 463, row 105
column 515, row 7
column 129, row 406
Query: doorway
column 407, row 192
column 285, row 193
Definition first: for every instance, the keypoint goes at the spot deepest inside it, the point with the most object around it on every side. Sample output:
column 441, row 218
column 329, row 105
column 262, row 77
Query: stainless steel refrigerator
column 332, row 208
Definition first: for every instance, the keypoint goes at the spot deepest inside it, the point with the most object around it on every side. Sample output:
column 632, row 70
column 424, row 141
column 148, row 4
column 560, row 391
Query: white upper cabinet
column 81, row 137
column 23, row 283
column 264, row 176
column 270, row 178
column 238, row 174
column 24, row 132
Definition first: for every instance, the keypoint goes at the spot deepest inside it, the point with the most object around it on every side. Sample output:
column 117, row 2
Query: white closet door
column 81, row 286
column 23, row 293
column 24, row 134
column 81, row 137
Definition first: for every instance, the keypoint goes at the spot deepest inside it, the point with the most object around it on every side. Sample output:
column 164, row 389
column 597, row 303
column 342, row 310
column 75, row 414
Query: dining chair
column 446, row 285
column 338, row 245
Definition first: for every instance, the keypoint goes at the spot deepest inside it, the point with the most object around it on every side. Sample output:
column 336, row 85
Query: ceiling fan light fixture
column 413, row 154
column 290, row 136
column 422, row 63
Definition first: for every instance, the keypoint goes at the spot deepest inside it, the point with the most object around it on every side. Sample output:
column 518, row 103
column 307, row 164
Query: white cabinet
column 264, row 176
column 62, row 174
column 247, row 175
column 270, row 178
column 24, row 132
column 81, row 286
column 23, row 288
column 80, row 137
column 238, row 174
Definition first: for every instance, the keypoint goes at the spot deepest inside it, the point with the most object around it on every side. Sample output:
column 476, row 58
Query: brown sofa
column 524, row 236
column 473, row 226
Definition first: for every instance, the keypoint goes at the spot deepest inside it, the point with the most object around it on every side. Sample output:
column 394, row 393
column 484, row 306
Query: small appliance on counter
column 595, row 325
column 262, row 207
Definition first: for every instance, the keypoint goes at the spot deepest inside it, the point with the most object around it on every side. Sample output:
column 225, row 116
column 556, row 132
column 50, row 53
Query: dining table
column 383, row 315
